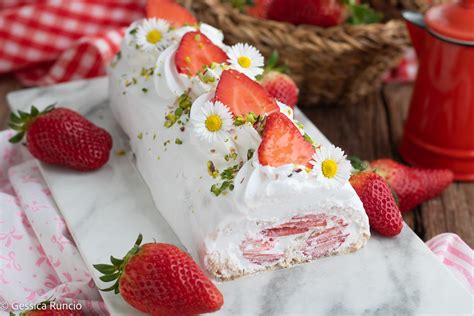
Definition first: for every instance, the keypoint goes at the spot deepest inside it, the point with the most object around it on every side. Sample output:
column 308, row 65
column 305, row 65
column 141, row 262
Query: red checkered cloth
column 407, row 69
column 50, row 41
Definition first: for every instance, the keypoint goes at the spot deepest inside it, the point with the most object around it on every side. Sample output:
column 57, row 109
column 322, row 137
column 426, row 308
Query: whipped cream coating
column 220, row 232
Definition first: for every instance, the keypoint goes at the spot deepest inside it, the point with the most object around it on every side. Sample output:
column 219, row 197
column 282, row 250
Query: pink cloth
column 457, row 256
column 38, row 258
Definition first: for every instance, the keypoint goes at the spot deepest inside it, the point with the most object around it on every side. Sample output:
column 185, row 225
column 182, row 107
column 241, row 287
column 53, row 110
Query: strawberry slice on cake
column 282, row 143
column 243, row 95
column 170, row 11
column 196, row 51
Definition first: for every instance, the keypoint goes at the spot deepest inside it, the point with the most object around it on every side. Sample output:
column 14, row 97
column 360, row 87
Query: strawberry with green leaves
column 161, row 279
column 278, row 84
column 379, row 204
column 324, row 13
column 413, row 186
column 63, row 137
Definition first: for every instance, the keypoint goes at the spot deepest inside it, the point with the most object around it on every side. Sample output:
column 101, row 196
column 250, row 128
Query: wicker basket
column 337, row 65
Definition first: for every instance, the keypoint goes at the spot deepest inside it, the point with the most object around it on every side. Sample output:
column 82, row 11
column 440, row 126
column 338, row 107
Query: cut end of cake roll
column 251, row 247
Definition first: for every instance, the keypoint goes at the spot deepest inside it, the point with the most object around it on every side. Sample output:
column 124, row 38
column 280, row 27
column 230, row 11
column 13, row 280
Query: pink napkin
column 457, row 256
column 38, row 258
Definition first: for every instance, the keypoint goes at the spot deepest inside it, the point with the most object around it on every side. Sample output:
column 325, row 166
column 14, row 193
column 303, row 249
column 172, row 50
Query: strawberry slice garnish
column 243, row 95
column 282, row 143
column 170, row 11
column 196, row 51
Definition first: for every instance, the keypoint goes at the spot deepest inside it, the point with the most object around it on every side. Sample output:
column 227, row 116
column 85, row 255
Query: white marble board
column 105, row 210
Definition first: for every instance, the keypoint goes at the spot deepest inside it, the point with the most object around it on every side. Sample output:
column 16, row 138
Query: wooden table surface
column 372, row 130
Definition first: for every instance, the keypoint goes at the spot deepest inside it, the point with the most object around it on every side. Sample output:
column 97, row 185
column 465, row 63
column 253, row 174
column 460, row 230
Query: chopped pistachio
column 178, row 141
column 211, row 169
column 120, row 152
column 250, row 153
column 145, row 90
column 251, row 118
column 239, row 120
column 231, row 156
column 308, row 138
column 140, row 136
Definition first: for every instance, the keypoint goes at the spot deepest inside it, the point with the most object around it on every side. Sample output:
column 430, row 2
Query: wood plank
column 7, row 84
column 452, row 210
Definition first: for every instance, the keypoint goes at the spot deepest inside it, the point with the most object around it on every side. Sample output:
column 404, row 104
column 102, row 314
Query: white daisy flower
column 213, row 122
column 331, row 166
column 153, row 34
column 246, row 59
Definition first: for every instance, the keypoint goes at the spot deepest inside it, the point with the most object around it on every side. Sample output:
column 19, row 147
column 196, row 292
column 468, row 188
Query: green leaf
column 23, row 115
column 34, row 111
column 357, row 163
column 105, row 268
column 110, row 277
column 112, row 288
column 139, row 240
column 273, row 60
column 49, row 108
column 116, row 262
column 15, row 127
column 17, row 138
column 15, row 118
column 362, row 14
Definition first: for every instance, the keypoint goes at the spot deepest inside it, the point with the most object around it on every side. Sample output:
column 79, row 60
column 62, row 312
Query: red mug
column 439, row 131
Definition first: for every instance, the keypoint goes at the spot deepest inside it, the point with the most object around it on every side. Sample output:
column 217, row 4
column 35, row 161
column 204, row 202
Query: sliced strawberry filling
column 321, row 234
column 297, row 225
column 322, row 243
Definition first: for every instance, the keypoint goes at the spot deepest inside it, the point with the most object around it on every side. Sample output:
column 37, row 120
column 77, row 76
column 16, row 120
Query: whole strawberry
column 259, row 9
column 323, row 13
column 384, row 215
column 60, row 136
column 412, row 185
column 281, row 87
column 161, row 279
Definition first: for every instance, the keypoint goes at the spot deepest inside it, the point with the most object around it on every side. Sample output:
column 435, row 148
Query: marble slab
column 105, row 210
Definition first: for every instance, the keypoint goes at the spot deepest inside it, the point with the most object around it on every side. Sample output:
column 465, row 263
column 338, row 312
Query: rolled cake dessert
column 236, row 177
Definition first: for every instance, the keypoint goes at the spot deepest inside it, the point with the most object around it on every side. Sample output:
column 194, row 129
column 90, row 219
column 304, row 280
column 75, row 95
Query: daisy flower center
column 329, row 168
column 213, row 123
column 154, row 36
column 244, row 61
